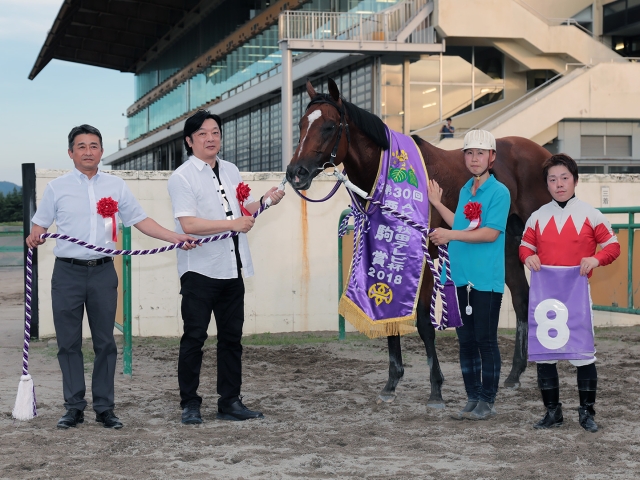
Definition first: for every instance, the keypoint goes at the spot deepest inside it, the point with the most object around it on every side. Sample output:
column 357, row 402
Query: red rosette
column 472, row 211
column 107, row 207
column 242, row 194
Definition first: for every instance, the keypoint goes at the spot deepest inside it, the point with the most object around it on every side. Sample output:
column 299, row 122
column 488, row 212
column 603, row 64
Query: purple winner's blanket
column 384, row 281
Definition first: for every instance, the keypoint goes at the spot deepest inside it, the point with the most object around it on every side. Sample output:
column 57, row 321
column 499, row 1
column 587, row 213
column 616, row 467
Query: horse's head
column 324, row 137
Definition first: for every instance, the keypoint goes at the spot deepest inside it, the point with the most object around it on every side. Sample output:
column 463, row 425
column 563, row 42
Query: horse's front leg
column 519, row 288
column 428, row 334
column 396, row 370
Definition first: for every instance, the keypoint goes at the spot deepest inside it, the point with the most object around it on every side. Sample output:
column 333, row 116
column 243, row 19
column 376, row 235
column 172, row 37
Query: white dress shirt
column 71, row 201
column 195, row 193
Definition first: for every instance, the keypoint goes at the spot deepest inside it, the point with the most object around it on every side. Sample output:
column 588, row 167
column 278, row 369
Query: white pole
column 287, row 105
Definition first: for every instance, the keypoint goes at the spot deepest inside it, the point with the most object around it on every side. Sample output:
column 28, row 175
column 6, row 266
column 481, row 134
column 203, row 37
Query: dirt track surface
column 322, row 419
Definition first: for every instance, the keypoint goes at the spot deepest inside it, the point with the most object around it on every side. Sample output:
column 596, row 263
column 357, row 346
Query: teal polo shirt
column 481, row 263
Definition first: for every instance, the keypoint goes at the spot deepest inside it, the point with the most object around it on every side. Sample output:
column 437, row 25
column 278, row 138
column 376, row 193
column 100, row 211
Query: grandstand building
column 564, row 74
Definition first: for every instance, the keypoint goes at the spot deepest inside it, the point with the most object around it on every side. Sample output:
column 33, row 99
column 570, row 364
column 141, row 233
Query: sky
column 37, row 115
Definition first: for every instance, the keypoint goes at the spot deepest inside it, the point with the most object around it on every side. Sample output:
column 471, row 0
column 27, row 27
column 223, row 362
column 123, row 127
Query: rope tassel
column 25, row 407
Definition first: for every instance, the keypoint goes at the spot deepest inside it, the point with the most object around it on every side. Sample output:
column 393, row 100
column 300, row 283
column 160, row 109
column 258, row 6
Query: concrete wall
column 294, row 249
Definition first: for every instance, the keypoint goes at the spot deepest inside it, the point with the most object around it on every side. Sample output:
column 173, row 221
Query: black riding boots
column 550, row 389
column 587, row 391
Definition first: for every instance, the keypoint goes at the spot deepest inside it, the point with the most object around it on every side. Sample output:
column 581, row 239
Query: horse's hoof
column 511, row 384
column 437, row 404
column 386, row 398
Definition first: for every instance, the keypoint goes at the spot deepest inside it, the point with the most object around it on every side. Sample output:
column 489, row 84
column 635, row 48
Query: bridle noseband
column 342, row 126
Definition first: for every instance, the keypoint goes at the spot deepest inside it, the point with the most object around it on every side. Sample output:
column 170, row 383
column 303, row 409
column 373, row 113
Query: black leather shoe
column 237, row 412
column 109, row 419
column 191, row 414
column 553, row 418
column 586, row 414
column 72, row 418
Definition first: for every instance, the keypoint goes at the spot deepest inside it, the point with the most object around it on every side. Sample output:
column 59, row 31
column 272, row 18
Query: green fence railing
column 341, row 325
column 127, row 354
column 631, row 227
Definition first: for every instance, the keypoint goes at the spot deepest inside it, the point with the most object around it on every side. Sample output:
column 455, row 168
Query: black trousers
column 74, row 288
column 202, row 296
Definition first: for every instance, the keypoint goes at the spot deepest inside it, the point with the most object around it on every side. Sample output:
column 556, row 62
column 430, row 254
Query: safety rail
column 352, row 26
column 554, row 21
column 631, row 226
column 341, row 324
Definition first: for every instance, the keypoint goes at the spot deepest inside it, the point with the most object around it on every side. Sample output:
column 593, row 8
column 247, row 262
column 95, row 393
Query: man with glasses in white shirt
column 83, row 278
column 203, row 193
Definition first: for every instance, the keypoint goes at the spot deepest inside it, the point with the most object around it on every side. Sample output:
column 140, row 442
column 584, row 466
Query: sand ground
column 321, row 416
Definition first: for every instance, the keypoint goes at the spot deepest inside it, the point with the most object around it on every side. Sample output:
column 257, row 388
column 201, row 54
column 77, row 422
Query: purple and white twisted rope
column 443, row 256
column 107, row 251
column 361, row 225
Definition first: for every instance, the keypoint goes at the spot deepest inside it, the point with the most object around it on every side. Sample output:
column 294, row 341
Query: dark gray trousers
column 74, row 288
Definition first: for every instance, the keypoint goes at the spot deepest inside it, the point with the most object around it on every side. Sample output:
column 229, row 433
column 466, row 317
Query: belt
column 86, row 263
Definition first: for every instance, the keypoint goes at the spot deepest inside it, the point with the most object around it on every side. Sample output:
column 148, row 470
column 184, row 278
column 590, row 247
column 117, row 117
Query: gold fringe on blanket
column 372, row 329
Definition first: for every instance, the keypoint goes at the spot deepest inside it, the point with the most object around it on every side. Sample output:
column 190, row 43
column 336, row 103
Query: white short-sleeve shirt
column 195, row 193
column 71, row 201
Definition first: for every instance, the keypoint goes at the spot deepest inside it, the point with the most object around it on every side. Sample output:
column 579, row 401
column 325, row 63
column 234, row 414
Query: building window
column 605, row 146
column 471, row 78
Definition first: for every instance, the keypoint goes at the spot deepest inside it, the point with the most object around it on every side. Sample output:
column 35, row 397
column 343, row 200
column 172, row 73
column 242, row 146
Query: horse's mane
column 370, row 124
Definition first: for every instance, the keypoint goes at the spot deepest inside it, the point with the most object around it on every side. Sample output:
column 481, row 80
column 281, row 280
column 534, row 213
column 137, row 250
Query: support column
column 406, row 97
column 28, row 211
column 286, row 105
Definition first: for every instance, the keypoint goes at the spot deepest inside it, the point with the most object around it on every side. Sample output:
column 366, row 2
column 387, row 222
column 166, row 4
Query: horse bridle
column 342, row 126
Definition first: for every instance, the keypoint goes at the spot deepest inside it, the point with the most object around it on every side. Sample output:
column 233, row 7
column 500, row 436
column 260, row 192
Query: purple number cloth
column 560, row 322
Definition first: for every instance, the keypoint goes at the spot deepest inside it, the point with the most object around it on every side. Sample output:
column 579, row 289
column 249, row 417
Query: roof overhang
column 115, row 34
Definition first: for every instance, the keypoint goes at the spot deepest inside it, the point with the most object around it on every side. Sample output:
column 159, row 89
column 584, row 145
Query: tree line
column 11, row 206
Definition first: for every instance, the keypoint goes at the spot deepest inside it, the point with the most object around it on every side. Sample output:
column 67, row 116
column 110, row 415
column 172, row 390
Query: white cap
column 479, row 139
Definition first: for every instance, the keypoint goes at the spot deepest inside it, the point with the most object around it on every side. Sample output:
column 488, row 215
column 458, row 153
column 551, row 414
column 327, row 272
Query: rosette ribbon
column 473, row 212
column 242, row 194
column 107, row 207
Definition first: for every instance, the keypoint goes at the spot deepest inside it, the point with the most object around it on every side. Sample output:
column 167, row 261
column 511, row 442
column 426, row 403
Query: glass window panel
column 486, row 94
column 243, row 141
column 425, row 108
column 276, row 137
column 456, row 65
column 624, row 169
column 391, row 75
column 229, row 141
column 618, row 146
column 591, row 169
column 456, row 99
column 391, row 100
column 425, row 70
column 592, row 146
column 489, row 65
column 256, row 134
column 138, row 124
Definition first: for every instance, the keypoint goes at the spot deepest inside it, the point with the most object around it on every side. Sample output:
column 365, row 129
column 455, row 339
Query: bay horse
column 334, row 131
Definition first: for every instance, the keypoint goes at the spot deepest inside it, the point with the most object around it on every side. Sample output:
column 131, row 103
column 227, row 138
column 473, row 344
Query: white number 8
column 559, row 324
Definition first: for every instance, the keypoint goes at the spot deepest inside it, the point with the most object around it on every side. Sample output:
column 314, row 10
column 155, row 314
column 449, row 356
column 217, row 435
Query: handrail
column 517, row 102
column 355, row 26
column 554, row 21
column 631, row 227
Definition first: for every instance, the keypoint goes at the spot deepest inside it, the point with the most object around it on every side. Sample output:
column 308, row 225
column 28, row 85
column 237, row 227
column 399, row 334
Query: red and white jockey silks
column 564, row 236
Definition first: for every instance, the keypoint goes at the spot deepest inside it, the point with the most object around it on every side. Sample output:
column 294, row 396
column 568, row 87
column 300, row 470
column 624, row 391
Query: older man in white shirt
column 84, row 278
column 203, row 193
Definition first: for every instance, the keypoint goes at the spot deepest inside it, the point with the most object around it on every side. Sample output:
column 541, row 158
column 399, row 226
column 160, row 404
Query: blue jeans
column 478, row 337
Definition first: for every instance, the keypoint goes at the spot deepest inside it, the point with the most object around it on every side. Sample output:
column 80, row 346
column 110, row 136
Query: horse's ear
column 333, row 90
column 310, row 90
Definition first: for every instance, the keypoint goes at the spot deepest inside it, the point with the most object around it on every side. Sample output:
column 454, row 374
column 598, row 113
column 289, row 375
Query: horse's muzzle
column 299, row 177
